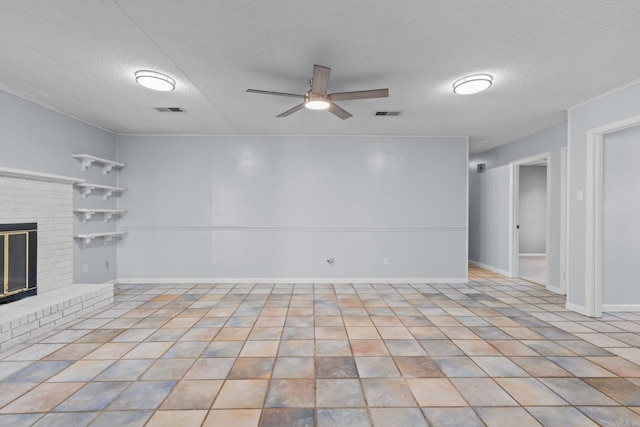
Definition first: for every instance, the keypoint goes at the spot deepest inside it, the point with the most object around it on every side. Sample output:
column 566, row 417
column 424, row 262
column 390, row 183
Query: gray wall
column 533, row 210
column 621, row 217
column 613, row 107
column 38, row 139
column 278, row 207
column 489, row 200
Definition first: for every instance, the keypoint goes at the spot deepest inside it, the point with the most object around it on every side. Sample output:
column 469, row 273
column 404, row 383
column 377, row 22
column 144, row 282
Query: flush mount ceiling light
column 472, row 84
column 316, row 102
column 155, row 81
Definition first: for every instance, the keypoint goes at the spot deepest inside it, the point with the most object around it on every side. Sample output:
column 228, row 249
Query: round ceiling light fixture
column 472, row 84
column 316, row 102
column 155, row 81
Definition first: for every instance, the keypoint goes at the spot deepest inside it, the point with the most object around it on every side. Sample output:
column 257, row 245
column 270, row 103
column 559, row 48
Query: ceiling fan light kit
column 472, row 84
column 155, row 81
column 317, row 97
column 316, row 102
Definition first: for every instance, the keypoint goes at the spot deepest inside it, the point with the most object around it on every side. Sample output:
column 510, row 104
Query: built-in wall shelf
column 108, row 190
column 107, row 165
column 107, row 214
column 107, row 236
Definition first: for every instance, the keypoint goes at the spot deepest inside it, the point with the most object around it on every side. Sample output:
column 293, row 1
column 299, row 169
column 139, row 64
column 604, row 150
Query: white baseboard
column 542, row 254
column 578, row 309
column 490, row 268
column 620, row 307
column 555, row 289
column 213, row 280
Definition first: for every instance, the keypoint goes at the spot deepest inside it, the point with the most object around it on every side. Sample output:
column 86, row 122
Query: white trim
column 593, row 211
column 602, row 95
column 555, row 289
column 577, row 308
column 620, row 307
column 466, row 252
column 490, row 268
column 564, row 219
column 38, row 176
column 540, row 254
column 299, row 280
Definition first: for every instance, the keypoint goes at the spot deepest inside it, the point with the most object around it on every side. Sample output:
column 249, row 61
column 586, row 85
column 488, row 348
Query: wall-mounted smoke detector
column 171, row 109
column 387, row 113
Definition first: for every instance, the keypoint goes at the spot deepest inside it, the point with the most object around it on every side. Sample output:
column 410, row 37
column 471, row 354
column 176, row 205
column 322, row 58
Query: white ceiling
column 78, row 57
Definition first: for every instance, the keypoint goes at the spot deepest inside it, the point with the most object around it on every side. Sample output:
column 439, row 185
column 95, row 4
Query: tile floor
column 494, row 352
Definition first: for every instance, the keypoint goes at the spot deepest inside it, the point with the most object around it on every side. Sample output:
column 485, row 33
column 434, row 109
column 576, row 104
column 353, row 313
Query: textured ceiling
column 79, row 57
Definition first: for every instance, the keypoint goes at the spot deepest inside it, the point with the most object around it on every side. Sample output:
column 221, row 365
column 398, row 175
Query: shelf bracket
column 86, row 163
column 87, row 216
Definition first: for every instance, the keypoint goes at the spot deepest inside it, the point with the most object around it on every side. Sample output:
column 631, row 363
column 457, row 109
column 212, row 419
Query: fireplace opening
column 18, row 261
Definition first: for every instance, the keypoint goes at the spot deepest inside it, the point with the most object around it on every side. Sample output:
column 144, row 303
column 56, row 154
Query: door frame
column 514, row 201
column 594, row 212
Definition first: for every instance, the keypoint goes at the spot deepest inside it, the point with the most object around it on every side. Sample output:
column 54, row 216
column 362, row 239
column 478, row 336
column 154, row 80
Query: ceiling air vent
column 387, row 113
column 171, row 110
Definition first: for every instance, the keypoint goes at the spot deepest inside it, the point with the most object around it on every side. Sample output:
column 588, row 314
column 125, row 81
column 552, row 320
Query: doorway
column 530, row 219
column 611, row 196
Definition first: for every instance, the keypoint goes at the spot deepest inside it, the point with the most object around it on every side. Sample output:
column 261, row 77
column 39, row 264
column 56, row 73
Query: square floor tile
column 242, row 394
column 176, row 418
column 387, row 392
column 291, row 393
column 435, row 392
column 482, row 392
column 294, row 367
column 339, row 393
column 252, row 368
column 279, row 417
column 233, row 417
column 336, row 367
column 376, row 367
column 565, row 416
column 397, row 417
column 343, row 417
column 452, row 417
column 495, row 417
column 192, row 394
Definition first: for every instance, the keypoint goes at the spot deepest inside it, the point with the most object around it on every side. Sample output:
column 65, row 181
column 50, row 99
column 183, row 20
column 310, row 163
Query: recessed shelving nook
column 88, row 160
column 88, row 188
column 107, row 214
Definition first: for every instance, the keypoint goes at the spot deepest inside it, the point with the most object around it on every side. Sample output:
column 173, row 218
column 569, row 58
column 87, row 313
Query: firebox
column 18, row 261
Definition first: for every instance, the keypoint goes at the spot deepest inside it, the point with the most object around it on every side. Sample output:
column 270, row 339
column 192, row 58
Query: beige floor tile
column 176, row 418
column 260, row 349
column 42, row 398
column 530, row 392
column 233, row 417
column 438, row 392
column 191, row 394
column 242, row 394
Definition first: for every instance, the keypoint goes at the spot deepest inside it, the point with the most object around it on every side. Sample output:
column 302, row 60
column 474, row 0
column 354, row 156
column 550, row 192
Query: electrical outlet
column 214, row 261
column 85, row 269
column 386, row 260
column 331, row 261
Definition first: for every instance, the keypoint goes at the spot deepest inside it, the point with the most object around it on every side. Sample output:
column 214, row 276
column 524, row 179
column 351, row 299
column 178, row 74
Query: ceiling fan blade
column 360, row 94
column 293, row 110
column 343, row 114
column 320, row 79
column 267, row 92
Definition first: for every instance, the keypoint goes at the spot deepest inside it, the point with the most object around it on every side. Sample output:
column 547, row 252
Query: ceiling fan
column 317, row 97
